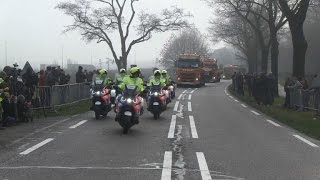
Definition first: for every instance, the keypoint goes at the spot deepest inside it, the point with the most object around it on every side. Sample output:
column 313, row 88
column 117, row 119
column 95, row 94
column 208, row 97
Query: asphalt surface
column 205, row 134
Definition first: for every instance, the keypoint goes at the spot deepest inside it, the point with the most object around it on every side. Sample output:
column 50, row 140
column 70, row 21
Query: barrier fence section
column 305, row 98
column 47, row 97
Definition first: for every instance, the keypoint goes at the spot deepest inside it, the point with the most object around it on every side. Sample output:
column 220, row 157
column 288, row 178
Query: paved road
column 205, row 134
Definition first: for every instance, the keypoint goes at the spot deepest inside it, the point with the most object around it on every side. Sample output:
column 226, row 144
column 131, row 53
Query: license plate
column 97, row 103
column 128, row 113
column 156, row 103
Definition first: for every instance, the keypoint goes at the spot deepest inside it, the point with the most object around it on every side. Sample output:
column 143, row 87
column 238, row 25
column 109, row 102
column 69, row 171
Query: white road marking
column 225, row 91
column 82, row 167
column 227, row 94
column 74, row 115
column 38, row 131
column 235, row 100
column 78, row 124
column 305, row 140
column 167, row 166
column 254, row 112
column 189, row 106
column 184, row 91
column 231, row 97
column 243, row 105
column 273, row 123
column 189, row 98
column 179, row 96
column 205, row 173
column 193, row 90
column 172, row 126
column 194, row 132
column 36, row 146
column 176, row 105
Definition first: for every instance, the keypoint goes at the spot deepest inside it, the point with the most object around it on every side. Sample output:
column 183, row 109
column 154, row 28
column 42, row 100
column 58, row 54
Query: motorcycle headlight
column 129, row 100
column 178, row 79
column 214, row 77
column 197, row 79
column 98, row 93
column 156, row 94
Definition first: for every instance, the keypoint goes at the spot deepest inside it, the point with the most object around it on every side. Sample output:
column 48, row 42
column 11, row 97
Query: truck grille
column 187, row 77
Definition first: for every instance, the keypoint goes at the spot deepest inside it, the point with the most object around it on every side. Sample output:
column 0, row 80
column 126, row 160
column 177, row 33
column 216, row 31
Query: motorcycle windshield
column 130, row 91
column 98, row 85
column 155, row 88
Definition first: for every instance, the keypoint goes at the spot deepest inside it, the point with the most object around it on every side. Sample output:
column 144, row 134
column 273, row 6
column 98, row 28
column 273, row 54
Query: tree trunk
column 274, row 56
column 264, row 59
column 300, row 46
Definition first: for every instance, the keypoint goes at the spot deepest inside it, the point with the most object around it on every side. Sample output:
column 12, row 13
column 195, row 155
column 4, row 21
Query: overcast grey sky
column 32, row 30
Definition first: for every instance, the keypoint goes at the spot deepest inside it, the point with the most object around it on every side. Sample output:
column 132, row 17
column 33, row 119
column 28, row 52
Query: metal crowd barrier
column 70, row 93
column 49, row 97
column 305, row 99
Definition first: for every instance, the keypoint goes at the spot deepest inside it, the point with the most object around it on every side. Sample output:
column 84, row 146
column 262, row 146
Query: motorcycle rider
column 119, row 77
column 156, row 78
column 165, row 77
column 132, row 79
column 106, row 82
column 103, row 76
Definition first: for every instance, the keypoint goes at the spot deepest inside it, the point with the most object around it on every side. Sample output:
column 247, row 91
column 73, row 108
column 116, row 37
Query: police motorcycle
column 156, row 100
column 128, row 107
column 101, row 99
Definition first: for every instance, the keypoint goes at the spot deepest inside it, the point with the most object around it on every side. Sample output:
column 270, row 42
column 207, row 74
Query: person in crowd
column 80, row 76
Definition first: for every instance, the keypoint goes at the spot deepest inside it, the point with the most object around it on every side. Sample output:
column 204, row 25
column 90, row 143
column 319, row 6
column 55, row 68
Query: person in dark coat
column 80, row 76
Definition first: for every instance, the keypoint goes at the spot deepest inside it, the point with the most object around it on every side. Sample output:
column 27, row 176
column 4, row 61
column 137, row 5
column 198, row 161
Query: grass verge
column 304, row 122
column 65, row 110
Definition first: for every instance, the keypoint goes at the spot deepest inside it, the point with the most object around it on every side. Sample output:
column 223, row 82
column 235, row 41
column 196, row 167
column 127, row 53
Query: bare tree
column 189, row 41
column 97, row 19
column 229, row 8
column 237, row 32
column 296, row 12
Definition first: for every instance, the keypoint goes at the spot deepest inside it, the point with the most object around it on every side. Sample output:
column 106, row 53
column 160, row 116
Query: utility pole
column 62, row 56
column 100, row 63
column 6, row 52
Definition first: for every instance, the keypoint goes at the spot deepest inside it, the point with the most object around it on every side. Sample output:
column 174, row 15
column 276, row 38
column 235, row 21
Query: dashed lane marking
column 231, row 97
column 305, row 140
column 184, row 91
column 194, row 132
column 243, row 105
column 38, row 131
column 236, row 100
column 189, row 107
column 205, row 173
column 172, row 126
column 33, row 148
column 254, row 112
column 189, row 98
column 180, row 96
column 193, row 90
column 167, row 166
column 78, row 124
column 273, row 123
column 176, row 105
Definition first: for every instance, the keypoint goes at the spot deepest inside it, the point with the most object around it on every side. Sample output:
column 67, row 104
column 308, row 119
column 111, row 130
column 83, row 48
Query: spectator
column 80, row 76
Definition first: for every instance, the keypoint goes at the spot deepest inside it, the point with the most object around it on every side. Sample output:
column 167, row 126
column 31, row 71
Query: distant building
column 44, row 66
column 74, row 67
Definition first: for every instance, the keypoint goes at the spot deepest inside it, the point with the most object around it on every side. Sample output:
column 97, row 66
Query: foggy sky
column 33, row 32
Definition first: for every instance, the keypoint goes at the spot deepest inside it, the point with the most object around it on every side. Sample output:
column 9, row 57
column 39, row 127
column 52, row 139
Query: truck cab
column 189, row 70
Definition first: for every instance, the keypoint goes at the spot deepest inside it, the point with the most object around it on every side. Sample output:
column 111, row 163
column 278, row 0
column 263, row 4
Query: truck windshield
column 188, row 63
